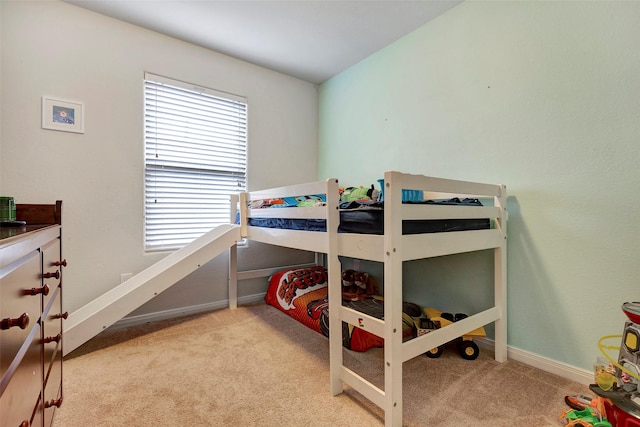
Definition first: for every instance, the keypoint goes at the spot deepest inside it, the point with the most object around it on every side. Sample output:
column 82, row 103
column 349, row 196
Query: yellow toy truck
column 436, row 319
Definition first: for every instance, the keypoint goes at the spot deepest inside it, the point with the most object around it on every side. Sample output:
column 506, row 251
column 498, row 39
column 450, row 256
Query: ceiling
column 309, row 39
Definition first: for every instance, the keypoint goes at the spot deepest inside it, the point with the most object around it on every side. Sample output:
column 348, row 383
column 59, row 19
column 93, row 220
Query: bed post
column 233, row 258
column 233, row 277
column 335, row 287
column 500, row 277
column 393, row 257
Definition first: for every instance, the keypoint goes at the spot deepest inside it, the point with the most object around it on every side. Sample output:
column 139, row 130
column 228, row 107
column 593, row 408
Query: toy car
column 436, row 319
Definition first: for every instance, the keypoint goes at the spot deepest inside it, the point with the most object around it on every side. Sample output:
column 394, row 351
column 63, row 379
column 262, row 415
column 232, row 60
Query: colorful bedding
column 302, row 294
column 290, row 202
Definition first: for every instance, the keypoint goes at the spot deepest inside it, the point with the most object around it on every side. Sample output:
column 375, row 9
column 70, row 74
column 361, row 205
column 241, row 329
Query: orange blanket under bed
column 302, row 294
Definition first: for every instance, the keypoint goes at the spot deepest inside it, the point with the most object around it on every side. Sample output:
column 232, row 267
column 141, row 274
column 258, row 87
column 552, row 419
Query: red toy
column 622, row 402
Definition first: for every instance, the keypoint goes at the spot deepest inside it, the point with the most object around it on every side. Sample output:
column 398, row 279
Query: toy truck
column 436, row 319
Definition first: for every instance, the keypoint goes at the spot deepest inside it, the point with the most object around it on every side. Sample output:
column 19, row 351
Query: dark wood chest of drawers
column 31, row 319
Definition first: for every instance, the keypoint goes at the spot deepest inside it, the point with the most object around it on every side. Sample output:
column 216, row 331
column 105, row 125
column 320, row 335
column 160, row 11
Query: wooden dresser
column 31, row 317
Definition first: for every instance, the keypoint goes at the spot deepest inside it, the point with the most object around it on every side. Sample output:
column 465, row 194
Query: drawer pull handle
column 35, row 291
column 53, row 402
column 50, row 275
column 47, row 340
column 61, row 315
column 25, row 423
column 62, row 263
column 22, row 322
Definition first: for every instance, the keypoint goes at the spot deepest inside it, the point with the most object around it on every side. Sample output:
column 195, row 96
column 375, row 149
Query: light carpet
column 255, row 366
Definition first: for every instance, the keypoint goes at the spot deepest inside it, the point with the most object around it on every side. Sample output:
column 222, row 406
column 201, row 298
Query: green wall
column 543, row 97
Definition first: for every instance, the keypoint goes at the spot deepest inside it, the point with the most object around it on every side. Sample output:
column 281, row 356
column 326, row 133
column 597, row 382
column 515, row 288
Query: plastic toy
column 579, row 402
column 622, row 395
column 436, row 319
column 585, row 411
column 587, row 417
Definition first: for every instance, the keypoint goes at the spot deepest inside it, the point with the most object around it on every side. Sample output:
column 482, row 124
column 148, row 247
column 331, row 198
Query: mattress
column 368, row 218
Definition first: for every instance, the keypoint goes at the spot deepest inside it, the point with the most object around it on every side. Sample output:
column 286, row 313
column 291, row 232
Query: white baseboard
column 560, row 369
column 183, row 311
column 563, row 370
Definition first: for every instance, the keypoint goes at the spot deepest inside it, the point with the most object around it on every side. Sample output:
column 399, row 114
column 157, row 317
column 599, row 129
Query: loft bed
column 391, row 246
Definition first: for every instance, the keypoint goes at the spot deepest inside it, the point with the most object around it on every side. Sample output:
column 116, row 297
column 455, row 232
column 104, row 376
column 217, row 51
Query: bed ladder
column 396, row 352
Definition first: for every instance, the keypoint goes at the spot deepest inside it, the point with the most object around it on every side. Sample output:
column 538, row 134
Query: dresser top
column 9, row 232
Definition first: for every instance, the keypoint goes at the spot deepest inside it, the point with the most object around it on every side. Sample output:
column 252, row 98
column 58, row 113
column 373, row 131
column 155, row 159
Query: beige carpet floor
column 255, row 366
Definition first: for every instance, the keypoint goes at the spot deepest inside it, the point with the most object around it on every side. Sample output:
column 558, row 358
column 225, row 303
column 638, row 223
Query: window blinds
column 195, row 157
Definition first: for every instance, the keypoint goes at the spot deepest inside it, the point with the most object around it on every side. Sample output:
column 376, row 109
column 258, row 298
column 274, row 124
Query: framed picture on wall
column 58, row 114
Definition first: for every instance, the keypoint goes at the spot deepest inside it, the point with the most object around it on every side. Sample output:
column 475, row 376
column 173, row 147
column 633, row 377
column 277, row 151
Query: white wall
column 543, row 97
column 56, row 49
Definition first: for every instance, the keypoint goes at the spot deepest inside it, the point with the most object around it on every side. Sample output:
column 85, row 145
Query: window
column 195, row 157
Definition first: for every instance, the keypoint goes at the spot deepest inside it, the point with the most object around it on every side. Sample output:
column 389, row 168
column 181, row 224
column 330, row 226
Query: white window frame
column 195, row 141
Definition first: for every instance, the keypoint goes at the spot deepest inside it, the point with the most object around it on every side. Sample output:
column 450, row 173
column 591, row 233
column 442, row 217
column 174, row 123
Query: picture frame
column 62, row 115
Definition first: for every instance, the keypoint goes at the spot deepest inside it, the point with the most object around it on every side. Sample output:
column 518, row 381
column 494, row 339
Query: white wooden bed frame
column 392, row 249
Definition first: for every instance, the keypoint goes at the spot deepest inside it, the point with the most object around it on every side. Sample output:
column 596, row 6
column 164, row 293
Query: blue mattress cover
column 368, row 218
